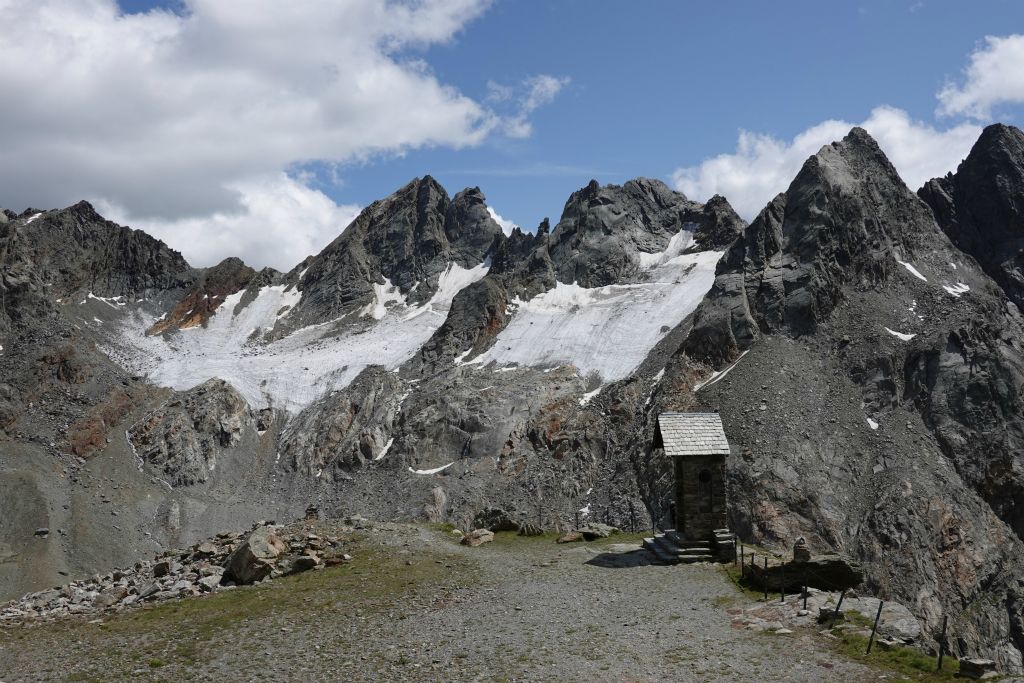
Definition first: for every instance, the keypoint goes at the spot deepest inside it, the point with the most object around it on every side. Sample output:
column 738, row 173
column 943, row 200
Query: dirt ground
column 416, row 606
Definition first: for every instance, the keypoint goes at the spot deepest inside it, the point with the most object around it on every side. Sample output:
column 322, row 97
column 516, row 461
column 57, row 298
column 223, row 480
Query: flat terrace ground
column 414, row 605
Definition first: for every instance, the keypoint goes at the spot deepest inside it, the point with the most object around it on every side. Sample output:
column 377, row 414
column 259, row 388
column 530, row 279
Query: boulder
column 477, row 537
column 254, row 559
column 826, row 572
column 596, row 530
column 209, row 583
column 495, row 519
column 978, row 668
column 570, row 537
column 206, row 549
column 162, row 568
column 304, row 563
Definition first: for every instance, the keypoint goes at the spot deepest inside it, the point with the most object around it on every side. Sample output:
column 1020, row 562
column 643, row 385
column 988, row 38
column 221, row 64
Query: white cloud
column 170, row 116
column 763, row 165
column 995, row 75
column 506, row 225
column 528, row 96
column 279, row 222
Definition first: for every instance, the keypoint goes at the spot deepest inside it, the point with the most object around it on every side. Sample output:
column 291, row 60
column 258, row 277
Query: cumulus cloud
column 170, row 116
column 279, row 221
column 994, row 75
column 506, row 225
column 763, row 165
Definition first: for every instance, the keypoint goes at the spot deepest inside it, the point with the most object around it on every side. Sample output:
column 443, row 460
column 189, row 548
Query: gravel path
column 416, row 606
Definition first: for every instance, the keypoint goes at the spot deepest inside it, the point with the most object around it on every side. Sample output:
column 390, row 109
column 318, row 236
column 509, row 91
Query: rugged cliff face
column 610, row 235
column 879, row 407
column 209, row 291
column 397, row 248
column 75, row 249
column 863, row 349
column 981, row 206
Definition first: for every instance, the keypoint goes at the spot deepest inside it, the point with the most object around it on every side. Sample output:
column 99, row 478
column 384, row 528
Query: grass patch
column 183, row 635
column 909, row 663
column 748, row 590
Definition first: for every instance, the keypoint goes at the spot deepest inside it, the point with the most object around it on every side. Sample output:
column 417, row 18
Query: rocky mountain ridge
column 864, row 355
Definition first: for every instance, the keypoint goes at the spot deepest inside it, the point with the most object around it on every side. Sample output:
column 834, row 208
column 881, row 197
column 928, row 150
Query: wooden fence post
column 942, row 641
column 835, row 615
column 874, row 628
column 765, row 578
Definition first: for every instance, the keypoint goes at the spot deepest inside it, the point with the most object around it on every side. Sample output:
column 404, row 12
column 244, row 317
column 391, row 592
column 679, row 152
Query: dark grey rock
column 980, row 206
column 183, row 437
column 410, row 239
column 809, row 290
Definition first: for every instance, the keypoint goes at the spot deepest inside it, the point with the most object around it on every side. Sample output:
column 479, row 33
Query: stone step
column 682, row 541
column 667, row 550
column 660, row 555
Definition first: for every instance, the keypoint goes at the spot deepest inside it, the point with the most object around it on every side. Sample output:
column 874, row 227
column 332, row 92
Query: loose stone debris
column 230, row 559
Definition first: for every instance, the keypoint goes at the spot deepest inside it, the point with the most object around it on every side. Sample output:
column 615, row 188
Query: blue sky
column 661, row 89
column 659, row 85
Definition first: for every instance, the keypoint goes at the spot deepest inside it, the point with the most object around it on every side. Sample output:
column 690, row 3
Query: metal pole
column 743, row 566
column 782, row 583
column 835, row 615
column 805, row 598
column 874, row 628
column 735, row 557
column 942, row 641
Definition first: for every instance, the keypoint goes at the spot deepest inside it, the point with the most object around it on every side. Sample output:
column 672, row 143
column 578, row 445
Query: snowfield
column 291, row 372
column 607, row 330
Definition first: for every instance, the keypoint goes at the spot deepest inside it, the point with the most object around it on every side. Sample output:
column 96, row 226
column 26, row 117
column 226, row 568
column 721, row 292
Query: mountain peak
column 979, row 206
column 995, row 133
column 407, row 239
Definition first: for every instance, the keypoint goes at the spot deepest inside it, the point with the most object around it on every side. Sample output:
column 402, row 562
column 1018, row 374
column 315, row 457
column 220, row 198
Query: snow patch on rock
column 717, row 375
column 291, row 372
column 900, row 335
column 913, row 271
column 957, row 290
column 606, row 330
column 442, row 468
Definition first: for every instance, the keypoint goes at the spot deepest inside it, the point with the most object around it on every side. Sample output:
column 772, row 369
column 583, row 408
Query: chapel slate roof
column 692, row 434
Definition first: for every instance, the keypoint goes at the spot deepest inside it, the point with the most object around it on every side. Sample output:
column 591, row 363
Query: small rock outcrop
column 345, row 429
column 183, row 437
column 829, row 572
column 212, row 287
